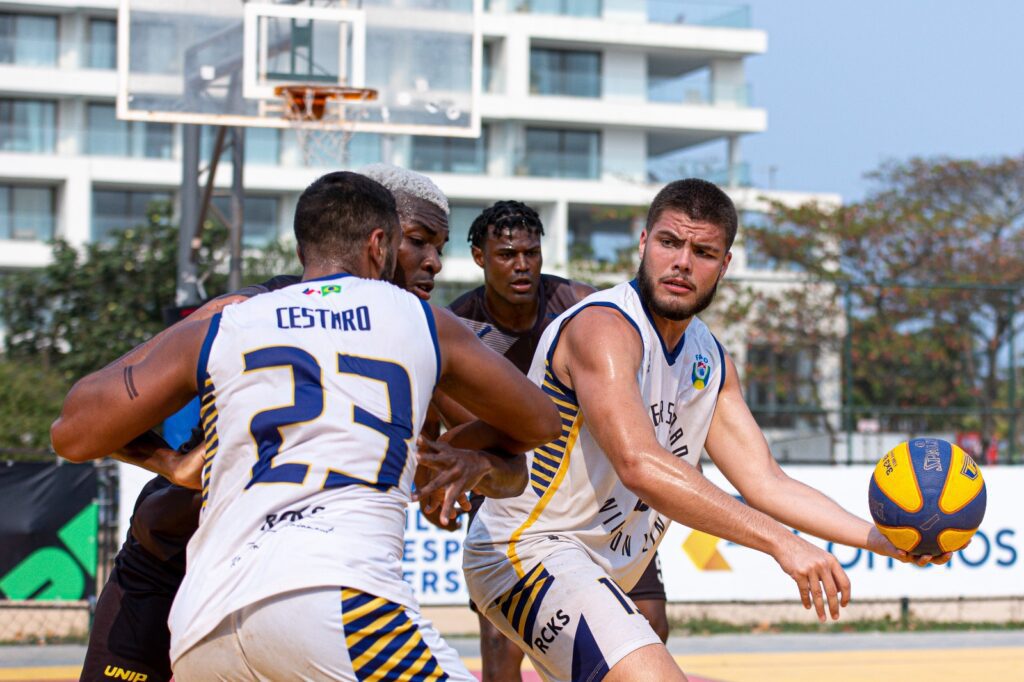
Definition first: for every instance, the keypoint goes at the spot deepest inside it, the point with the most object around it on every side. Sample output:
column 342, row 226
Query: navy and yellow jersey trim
column 337, row 275
column 204, row 352
column 383, row 643
column 721, row 358
column 670, row 355
column 521, row 604
column 432, row 325
column 208, row 420
column 547, row 459
column 558, row 335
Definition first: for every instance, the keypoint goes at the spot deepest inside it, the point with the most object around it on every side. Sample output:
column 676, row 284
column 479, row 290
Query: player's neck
column 517, row 317
column 670, row 331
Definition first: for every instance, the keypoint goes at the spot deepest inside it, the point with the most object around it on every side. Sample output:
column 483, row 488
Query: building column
column 734, row 160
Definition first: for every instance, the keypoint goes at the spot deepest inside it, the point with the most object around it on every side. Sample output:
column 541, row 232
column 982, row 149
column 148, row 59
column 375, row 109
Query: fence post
column 848, row 371
column 904, row 613
column 1011, row 435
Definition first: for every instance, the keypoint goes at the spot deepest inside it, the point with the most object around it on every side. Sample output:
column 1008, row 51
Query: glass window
column 565, row 72
column 28, row 39
column 120, row 210
column 102, row 44
column 27, row 126
column 262, row 145
column 779, row 382
column 155, row 48
column 572, row 8
column 562, row 153
column 450, row 154
column 460, row 217
column 27, row 213
column 109, row 136
column 260, row 224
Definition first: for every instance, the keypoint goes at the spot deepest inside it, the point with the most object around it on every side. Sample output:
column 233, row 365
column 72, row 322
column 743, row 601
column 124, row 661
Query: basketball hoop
column 325, row 117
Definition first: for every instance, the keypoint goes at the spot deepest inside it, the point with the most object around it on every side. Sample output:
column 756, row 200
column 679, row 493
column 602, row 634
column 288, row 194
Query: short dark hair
column 501, row 216
column 699, row 200
column 338, row 212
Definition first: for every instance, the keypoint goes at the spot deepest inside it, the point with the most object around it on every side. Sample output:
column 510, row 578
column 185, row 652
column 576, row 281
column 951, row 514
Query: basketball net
column 325, row 118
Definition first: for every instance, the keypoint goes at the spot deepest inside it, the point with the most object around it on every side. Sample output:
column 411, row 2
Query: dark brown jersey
column 556, row 296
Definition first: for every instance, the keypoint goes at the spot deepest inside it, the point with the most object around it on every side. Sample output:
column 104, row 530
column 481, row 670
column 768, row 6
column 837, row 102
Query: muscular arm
column 599, row 357
column 113, row 406
column 738, row 448
column 513, row 413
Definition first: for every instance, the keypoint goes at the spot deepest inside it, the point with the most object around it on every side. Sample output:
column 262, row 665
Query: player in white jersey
column 642, row 387
column 311, row 398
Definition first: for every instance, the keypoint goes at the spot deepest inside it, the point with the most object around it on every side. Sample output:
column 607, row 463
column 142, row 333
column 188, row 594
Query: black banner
column 48, row 527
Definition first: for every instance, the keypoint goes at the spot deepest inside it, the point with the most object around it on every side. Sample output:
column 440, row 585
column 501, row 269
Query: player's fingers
column 464, row 503
column 448, row 506
column 425, row 444
column 842, row 582
column 805, row 595
column 438, row 482
column 923, row 560
column 831, row 594
column 816, row 597
column 942, row 559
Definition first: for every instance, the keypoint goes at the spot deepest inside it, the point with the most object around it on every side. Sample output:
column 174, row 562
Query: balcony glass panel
column 565, row 72
column 102, row 44
column 450, row 154
column 713, row 14
column 28, row 39
column 109, row 136
column 28, row 126
column 570, row 8
column 27, row 213
column 562, row 153
column 121, row 210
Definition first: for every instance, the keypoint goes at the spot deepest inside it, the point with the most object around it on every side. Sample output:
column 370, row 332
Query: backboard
column 223, row 62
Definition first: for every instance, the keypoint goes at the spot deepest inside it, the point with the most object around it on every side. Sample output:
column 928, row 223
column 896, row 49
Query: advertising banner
column 48, row 531
column 699, row 567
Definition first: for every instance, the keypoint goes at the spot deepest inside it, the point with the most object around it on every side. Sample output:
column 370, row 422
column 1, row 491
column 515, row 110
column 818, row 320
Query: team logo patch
column 325, row 290
column 701, row 371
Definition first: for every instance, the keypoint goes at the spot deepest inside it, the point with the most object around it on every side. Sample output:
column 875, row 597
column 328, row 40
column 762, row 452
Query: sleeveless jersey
column 555, row 296
column 574, row 494
column 311, row 398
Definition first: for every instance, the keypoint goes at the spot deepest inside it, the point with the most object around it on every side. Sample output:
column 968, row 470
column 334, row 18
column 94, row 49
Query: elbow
column 64, row 444
column 635, row 474
column 550, row 427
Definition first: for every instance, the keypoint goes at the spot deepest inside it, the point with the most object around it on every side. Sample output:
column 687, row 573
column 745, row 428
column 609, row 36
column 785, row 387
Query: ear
column 478, row 255
column 643, row 244
column 375, row 253
column 725, row 265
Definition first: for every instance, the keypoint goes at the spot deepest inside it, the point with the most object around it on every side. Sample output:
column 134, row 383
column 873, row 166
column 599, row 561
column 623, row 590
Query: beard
column 671, row 309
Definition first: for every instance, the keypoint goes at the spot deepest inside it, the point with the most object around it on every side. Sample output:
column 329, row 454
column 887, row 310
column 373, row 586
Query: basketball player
column 509, row 313
column 130, row 620
column 643, row 386
column 304, row 502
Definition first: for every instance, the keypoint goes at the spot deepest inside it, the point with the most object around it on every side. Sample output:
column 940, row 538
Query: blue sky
column 849, row 84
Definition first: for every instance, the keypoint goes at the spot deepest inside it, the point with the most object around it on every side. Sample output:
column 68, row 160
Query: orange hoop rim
column 313, row 98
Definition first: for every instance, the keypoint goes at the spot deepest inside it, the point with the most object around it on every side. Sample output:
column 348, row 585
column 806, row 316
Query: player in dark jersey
column 509, row 313
column 130, row 630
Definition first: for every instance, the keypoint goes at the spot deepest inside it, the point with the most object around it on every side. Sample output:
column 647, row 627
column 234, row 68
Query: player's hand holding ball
column 927, row 498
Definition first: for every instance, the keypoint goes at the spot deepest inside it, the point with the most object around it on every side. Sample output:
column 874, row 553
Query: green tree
column 89, row 307
column 930, row 264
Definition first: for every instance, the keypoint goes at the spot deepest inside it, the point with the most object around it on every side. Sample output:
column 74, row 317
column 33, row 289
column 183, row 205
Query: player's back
column 311, row 397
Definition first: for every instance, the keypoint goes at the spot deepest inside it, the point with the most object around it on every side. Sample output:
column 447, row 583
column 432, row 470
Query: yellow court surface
column 1002, row 664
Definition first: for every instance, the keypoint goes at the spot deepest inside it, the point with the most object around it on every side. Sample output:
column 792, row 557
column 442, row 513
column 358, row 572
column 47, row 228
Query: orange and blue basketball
column 927, row 496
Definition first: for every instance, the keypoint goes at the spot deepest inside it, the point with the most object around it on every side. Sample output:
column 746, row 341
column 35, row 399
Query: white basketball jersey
column 312, row 399
column 574, row 493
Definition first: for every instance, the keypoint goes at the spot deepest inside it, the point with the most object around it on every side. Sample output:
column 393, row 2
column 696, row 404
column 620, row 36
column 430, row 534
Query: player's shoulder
column 468, row 304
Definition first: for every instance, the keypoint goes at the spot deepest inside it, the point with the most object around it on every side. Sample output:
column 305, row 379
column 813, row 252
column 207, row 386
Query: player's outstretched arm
column 152, row 453
column 491, row 387
column 738, row 447
column 599, row 355
column 109, row 408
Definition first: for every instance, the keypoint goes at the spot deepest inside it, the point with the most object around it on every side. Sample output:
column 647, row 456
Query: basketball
column 927, row 496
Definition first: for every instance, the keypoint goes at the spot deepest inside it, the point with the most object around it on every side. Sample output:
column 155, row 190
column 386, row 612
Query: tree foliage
column 930, row 266
column 90, row 306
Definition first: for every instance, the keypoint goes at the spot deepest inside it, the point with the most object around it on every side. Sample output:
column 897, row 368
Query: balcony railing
column 685, row 12
column 28, row 139
column 555, row 164
column 715, row 171
column 28, row 51
column 686, row 91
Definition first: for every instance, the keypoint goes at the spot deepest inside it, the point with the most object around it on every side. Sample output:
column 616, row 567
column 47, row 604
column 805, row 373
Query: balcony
column 660, row 171
column 672, row 12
